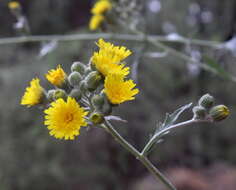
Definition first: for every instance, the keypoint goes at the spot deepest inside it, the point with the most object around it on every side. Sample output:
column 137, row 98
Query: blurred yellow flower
column 13, row 5
column 33, row 94
column 118, row 90
column 64, row 119
column 96, row 21
column 108, row 59
column 56, row 76
column 101, row 7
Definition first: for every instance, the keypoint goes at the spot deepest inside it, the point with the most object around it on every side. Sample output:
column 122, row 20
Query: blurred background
column 198, row 157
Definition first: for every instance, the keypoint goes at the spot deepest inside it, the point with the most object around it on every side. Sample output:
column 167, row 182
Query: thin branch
column 95, row 36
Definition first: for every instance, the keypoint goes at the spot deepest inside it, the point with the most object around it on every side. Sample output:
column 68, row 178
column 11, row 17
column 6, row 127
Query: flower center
column 68, row 118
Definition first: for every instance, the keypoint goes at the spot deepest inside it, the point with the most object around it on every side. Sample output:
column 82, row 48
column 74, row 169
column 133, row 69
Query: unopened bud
column 50, row 95
column 59, row 93
column 206, row 101
column 97, row 101
column 87, row 71
column 93, row 80
column 75, row 93
column 219, row 112
column 75, row 78
column 96, row 118
column 78, row 67
column 199, row 112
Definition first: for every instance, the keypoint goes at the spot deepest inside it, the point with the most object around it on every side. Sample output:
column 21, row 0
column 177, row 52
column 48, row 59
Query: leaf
column 170, row 119
column 216, row 67
column 115, row 118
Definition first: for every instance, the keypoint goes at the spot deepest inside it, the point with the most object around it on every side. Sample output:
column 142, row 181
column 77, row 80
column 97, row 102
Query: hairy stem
column 143, row 159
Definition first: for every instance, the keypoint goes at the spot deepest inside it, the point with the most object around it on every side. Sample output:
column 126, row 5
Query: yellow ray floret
column 105, row 65
column 56, row 76
column 33, row 94
column 118, row 90
column 13, row 5
column 101, row 7
column 64, row 119
column 116, row 53
column 96, row 21
column 107, row 59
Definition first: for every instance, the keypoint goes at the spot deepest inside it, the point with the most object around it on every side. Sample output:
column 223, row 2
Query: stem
column 155, row 137
column 144, row 160
column 127, row 37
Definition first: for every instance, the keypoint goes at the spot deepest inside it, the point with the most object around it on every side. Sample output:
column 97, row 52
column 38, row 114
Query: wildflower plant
column 88, row 95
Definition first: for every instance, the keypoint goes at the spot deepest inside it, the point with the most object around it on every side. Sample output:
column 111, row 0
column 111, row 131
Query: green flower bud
column 107, row 106
column 199, row 112
column 78, row 67
column 75, row 93
column 59, row 93
column 206, row 101
column 87, row 71
column 219, row 112
column 82, row 87
column 74, row 78
column 50, row 95
column 96, row 118
column 97, row 101
column 93, row 80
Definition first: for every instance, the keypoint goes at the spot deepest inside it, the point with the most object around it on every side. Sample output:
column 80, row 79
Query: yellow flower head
column 108, row 59
column 13, row 5
column 118, row 90
column 96, row 21
column 101, row 7
column 64, row 119
column 115, row 53
column 105, row 65
column 33, row 94
column 56, row 76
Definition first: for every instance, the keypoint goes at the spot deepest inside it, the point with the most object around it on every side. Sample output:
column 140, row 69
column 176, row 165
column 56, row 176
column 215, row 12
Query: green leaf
column 170, row 119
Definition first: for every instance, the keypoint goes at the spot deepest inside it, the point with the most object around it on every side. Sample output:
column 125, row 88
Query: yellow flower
column 13, row 5
column 118, row 90
column 116, row 53
column 64, row 119
column 101, row 7
column 33, row 94
column 56, row 76
column 108, row 59
column 105, row 65
column 96, row 21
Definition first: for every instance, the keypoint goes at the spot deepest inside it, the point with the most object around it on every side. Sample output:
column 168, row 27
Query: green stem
column 95, row 36
column 143, row 159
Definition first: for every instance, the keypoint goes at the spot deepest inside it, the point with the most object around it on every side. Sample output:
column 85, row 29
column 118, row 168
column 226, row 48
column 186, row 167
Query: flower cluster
column 87, row 95
column 98, row 11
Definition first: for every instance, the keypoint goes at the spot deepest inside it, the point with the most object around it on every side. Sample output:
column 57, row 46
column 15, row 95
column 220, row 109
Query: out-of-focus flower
column 33, row 94
column 64, row 119
column 101, row 7
column 14, row 5
column 118, row 90
column 56, row 76
column 96, row 21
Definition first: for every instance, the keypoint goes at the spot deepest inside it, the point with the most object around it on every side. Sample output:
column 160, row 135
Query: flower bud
column 97, row 101
column 219, row 112
column 199, row 112
column 59, row 93
column 75, row 93
column 96, row 118
column 87, row 71
column 107, row 106
column 75, row 78
column 93, row 80
column 78, row 67
column 50, row 95
column 82, row 87
column 206, row 101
